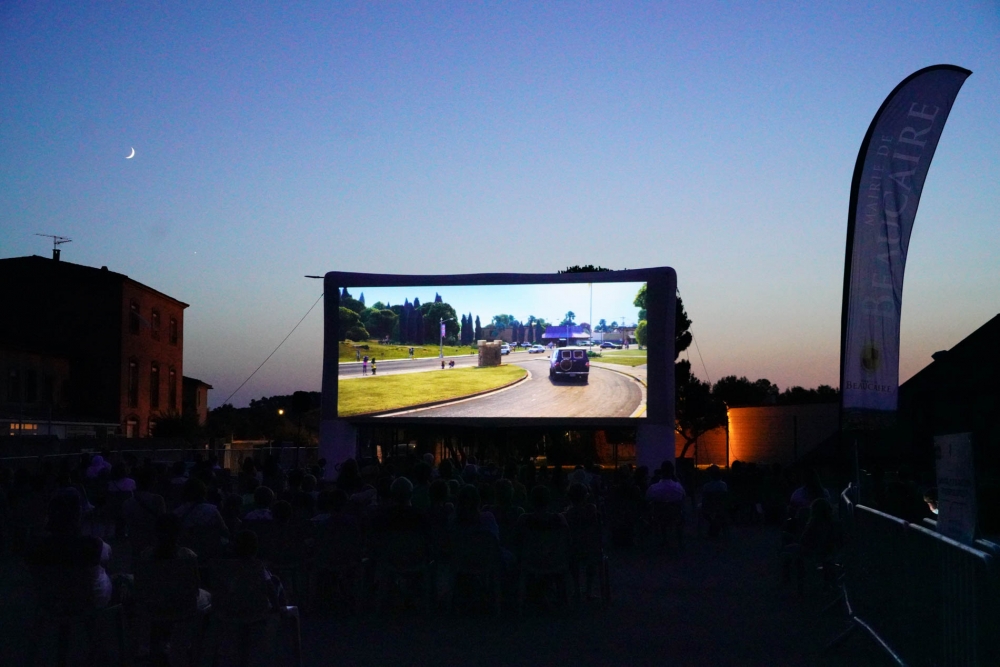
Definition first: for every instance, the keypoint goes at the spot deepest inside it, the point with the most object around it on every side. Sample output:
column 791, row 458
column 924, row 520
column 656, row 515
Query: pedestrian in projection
column 364, row 365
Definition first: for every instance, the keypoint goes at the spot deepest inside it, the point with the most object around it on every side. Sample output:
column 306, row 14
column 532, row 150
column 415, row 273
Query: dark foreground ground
column 719, row 602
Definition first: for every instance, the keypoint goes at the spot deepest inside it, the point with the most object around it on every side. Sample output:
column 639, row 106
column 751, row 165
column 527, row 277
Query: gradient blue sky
column 275, row 141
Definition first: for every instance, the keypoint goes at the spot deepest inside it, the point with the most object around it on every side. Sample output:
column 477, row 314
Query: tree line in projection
column 413, row 323
column 416, row 323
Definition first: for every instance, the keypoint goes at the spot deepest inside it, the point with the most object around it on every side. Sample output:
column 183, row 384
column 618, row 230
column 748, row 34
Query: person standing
column 373, row 365
column 364, row 365
column 358, row 352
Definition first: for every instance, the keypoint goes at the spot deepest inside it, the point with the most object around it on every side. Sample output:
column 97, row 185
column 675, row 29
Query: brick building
column 195, row 394
column 121, row 344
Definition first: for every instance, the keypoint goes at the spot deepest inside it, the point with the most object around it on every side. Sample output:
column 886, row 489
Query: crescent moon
column 129, row 157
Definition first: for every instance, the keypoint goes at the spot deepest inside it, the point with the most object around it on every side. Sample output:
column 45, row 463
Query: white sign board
column 956, row 487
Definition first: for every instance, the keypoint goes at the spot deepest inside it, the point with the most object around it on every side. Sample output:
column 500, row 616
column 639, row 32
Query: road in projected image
column 443, row 378
column 607, row 393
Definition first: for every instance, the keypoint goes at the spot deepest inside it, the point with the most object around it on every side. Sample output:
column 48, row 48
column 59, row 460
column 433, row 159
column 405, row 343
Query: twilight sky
column 274, row 141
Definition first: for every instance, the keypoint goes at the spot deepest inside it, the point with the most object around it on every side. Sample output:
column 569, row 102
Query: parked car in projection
column 505, row 349
column 569, row 362
column 611, row 346
column 536, row 349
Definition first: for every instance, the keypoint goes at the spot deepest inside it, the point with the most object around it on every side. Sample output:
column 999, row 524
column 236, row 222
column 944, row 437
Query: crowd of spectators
column 314, row 541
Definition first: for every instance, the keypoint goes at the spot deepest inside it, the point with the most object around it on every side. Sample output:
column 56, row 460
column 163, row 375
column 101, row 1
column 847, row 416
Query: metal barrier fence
column 288, row 457
column 927, row 599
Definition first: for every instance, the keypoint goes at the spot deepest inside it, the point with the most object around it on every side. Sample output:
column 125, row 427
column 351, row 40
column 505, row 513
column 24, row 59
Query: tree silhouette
column 586, row 268
column 698, row 411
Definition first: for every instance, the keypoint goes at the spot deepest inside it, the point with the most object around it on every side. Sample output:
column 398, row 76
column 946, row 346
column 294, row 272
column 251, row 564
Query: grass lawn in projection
column 349, row 351
column 622, row 357
column 392, row 392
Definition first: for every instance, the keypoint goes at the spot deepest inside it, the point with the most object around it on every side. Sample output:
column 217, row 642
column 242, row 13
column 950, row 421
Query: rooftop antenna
column 56, row 242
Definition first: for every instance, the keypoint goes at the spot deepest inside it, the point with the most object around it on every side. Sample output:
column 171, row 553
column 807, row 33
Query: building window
column 133, row 318
column 13, row 386
column 132, row 427
column 172, row 389
column 30, row 386
column 174, row 333
column 154, row 386
column 133, row 383
column 152, row 428
column 154, row 323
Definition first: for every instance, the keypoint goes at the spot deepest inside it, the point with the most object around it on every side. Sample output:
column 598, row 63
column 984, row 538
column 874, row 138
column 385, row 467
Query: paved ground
column 717, row 603
column 606, row 394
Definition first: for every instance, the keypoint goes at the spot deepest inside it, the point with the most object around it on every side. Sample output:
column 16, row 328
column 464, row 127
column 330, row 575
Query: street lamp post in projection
column 441, row 353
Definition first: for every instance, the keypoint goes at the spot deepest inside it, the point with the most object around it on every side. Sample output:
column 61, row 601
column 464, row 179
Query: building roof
column 567, row 331
column 191, row 380
column 974, row 362
column 71, row 271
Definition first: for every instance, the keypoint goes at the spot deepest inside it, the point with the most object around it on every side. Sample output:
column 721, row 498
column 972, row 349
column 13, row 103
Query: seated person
column 668, row 489
column 585, row 532
column 534, row 529
column 140, row 511
column 246, row 592
column 232, row 511
column 397, row 513
column 263, row 498
column 931, row 498
column 541, row 518
column 714, row 483
column 168, row 530
column 713, row 494
column 819, row 541
column 505, row 511
column 195, row 512
column 469, row 516
column 811, row 489
column 800, row 502
column 120, row 482
column 66, row 548
column 245, row 550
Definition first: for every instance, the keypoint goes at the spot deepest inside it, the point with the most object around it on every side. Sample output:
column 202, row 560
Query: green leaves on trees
column 351, row 327
column 640, row 333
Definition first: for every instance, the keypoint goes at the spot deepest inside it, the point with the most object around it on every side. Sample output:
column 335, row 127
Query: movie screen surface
column 572, row 350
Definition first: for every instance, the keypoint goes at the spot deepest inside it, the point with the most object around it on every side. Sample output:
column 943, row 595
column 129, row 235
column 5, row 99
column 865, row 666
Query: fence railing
column 927, row 599
column 288, row 456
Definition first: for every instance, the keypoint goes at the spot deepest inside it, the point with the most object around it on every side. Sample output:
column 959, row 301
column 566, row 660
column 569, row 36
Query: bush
column 591, row 353
column 356, row 332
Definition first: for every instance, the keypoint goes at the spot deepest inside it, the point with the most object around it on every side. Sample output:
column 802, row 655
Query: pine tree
column 404, row 322
column 437, row 298
column 416, row 323
column 362, row 298
column 418, row 326
column 479, row 329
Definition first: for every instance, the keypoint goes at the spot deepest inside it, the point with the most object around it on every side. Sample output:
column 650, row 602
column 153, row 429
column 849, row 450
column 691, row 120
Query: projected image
column 498, row 351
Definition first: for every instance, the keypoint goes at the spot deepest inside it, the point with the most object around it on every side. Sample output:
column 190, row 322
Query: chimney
column 55, row 254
